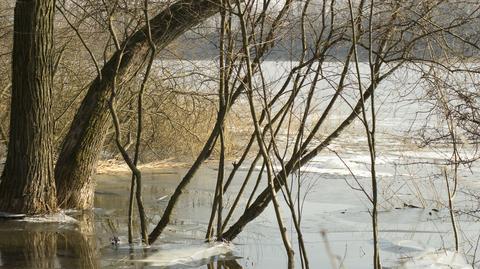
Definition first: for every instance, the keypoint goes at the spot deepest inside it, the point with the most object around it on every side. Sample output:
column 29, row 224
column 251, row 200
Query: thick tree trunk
column 83, row 143
column 27, row 183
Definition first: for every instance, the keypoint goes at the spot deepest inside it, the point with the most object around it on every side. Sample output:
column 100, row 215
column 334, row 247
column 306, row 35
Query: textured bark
column 84, row 141
column 27, row 183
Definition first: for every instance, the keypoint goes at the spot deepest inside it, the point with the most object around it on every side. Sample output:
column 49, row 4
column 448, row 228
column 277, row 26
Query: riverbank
column 114, row 166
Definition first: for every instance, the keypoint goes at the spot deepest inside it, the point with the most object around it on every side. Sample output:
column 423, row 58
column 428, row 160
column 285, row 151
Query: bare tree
column 82, row 145
column 27, row 184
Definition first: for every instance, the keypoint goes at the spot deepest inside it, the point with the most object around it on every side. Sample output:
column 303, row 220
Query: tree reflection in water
column 60, row 245
column 27, row 248
column 78, row 248
column 40, row 245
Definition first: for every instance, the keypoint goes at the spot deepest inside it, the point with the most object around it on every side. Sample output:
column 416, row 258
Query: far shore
column 114, row 166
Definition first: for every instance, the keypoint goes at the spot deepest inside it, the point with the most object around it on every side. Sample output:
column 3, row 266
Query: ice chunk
column 439, row 259
column 51, row 218
column 11, row 216
column 402, row 246
column 189, row 255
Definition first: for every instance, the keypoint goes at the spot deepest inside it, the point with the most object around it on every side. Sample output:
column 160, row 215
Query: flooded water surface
column 415, row 225
column 335, row 221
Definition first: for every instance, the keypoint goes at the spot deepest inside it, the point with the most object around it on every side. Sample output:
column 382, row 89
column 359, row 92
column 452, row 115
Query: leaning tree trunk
column 83, row 143
column 27, row 183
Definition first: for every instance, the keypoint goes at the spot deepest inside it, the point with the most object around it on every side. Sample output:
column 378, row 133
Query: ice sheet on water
column 439, row 259
column 333, row 165
column 51, row 218
column 415, row 255
column 343, row 172
column 11, row 216
column 188, row 255
column 402, row 246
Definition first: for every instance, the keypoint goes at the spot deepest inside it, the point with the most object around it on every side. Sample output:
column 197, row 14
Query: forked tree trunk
column 84, row 141
column 27, row 183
